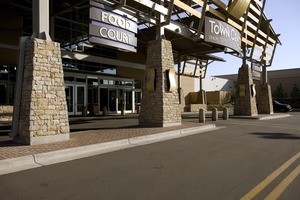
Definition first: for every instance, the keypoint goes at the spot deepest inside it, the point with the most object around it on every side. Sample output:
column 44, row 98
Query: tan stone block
column 43, row 103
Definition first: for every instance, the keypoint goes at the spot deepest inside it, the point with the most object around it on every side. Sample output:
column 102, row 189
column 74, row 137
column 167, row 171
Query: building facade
column 101, row 56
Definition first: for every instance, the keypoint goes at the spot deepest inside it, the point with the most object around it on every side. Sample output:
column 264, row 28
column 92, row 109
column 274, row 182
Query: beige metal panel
column 171, row 80
column 238, row 7
column 150, row 79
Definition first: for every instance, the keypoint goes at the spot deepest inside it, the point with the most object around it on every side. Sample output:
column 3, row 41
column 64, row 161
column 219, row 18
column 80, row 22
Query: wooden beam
column 188, row 8
column 252, row 7
column 258, row 3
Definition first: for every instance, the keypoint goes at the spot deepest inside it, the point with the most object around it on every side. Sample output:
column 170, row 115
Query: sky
column 286, row 21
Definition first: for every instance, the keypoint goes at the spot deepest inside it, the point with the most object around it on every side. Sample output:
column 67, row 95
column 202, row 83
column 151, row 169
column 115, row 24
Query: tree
column 295, row 94
column 279, row 93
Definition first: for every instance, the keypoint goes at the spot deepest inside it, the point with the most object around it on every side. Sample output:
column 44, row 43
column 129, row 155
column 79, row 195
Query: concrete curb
column 17, row 164
column 262, row 117
column 274, row 116
column 43, row 159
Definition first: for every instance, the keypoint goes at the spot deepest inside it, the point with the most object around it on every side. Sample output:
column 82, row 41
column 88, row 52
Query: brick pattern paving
column 8, row 149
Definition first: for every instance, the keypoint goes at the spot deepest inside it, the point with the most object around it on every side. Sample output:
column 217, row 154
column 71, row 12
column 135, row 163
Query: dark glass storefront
column 98, row 89
column 7, row 84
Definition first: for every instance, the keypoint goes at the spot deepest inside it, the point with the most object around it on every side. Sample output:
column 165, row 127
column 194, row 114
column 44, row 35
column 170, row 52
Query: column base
column 245, row 101
column 42, row 139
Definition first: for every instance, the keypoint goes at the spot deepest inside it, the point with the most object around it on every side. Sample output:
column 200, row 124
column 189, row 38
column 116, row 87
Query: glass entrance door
column 125, row 100
column 80, row 99
column 103, row 99
column 69, row 89
column 112, row 100
column 128, row 100
column 108, row 100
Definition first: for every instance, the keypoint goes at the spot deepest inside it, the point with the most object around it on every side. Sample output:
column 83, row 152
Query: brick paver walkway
column 8, row 149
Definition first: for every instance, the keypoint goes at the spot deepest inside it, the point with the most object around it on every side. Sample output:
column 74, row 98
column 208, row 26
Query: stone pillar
column 264, row 99
column 159, row 107
column 245, row 102
column 43, row 110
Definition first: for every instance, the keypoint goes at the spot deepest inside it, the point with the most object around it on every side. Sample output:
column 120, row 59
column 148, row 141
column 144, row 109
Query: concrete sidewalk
column 123, row 132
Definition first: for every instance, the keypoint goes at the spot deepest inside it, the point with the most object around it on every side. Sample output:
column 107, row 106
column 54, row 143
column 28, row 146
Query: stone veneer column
column 43, row 110
column 264, row 99
column 160, row 108
column 245, row 102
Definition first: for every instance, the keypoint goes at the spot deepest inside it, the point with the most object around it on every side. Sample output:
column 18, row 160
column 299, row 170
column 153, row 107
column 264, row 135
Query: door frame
column 76, row 97
column 73, row 97
column 75, row 87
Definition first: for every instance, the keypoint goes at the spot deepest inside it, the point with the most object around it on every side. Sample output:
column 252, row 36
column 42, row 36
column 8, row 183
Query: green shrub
column 210, row 107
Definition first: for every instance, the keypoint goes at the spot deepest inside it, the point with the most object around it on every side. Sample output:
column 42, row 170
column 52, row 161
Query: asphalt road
column 247, row 159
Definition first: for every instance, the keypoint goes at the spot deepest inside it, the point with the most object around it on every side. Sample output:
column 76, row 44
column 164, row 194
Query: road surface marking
column 257, row 189
column 284, row 184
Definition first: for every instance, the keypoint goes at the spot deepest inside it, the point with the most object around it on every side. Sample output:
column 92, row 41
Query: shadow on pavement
column 105, row 128
column 277, row 136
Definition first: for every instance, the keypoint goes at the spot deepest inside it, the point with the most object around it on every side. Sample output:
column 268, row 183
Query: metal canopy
column 182, row 23
column 196, row 66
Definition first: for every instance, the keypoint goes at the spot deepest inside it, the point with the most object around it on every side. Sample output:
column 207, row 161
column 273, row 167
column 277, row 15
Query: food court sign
column 112, row 27
column 221, row 33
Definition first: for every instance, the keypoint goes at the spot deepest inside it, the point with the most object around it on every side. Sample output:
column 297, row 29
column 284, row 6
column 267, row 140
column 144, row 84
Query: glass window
column 111, row 82
column 93, row 81
column 105, row 82
column 128, row 83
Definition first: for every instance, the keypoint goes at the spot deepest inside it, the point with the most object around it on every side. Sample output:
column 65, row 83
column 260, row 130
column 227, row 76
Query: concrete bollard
column 215, row 114
column 225, row 113
column 201, row 115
